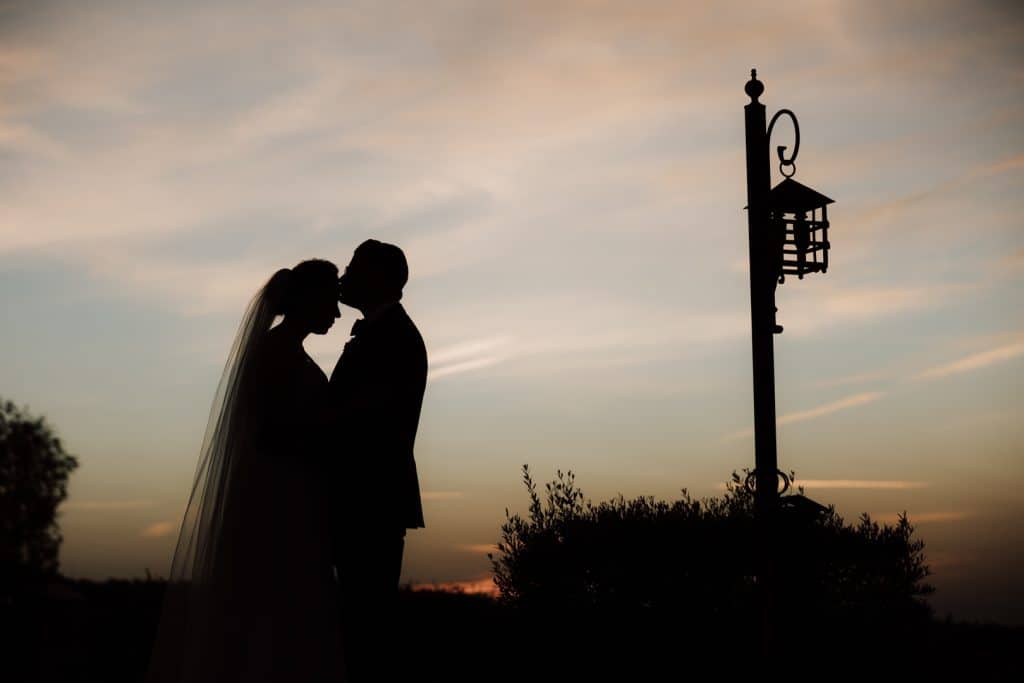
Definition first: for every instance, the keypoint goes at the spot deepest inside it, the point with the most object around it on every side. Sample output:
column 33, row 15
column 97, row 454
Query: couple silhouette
column 290, row 551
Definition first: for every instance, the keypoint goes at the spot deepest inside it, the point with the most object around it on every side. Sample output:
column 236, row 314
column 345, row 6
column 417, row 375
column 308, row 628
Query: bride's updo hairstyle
column 289, row 287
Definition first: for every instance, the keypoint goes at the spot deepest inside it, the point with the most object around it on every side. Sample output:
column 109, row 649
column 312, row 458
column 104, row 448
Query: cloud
column 464, row 366
column 871, row 303
column 194, row 289
column 936, row 212
column 824, row 308
column 480, row 548
column 159, row 530
column 979, row 171
column 459, row 352
column 975, row 361
column 819, row 411
column 829, row 408
column 1002, row 166
column 480, row 586
column 340, row 138
column 577, row 330
column 563, row 331
column 106, row 504
column 467, row 357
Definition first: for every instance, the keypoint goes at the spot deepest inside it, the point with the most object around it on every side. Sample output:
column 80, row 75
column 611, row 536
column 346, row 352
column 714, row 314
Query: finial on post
column 754, row 87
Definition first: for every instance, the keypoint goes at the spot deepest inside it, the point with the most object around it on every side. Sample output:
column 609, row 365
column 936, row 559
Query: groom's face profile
column 353, row 283
column 375, row 275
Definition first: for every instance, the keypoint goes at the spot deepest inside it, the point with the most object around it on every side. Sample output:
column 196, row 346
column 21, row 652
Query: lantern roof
column 791, row 196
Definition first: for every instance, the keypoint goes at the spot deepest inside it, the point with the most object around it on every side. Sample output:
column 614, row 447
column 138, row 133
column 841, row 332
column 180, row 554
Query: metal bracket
column 781, row 149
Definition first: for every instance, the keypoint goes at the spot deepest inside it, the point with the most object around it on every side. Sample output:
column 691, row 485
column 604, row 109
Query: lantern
column 798, row 217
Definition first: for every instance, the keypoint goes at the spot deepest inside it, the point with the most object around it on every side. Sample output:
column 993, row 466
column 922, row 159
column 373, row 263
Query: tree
column 34, row 473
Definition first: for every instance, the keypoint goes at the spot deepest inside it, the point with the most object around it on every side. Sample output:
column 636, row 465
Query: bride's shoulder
column 271, row 341
column 270, row 353
column 276, row 352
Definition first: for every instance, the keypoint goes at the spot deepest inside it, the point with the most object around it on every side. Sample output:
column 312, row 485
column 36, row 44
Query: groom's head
column 376, row 275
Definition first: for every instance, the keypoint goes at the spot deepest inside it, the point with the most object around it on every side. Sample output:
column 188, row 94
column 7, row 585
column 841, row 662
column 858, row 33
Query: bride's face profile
column 312, row 300
column 319, row 308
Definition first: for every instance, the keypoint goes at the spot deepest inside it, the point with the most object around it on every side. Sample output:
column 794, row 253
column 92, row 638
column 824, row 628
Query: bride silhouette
column 251, row 596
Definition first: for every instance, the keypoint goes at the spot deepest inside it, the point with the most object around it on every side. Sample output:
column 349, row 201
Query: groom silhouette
column 377, row 387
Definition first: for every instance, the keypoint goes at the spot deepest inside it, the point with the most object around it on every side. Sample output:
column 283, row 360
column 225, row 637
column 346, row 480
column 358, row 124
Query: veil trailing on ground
column 204, row 596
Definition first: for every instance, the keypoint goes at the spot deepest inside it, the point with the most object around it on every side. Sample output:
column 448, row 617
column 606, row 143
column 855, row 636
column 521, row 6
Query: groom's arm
column 395, row 397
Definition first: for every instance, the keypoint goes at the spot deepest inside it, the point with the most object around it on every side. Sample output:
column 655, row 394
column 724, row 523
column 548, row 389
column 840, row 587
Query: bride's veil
column 200, row 584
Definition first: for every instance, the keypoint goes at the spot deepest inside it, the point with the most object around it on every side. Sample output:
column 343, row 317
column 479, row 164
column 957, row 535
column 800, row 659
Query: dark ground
column 88, row 631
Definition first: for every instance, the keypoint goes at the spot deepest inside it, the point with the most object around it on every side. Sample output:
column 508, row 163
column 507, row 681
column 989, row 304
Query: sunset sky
column 567, row 180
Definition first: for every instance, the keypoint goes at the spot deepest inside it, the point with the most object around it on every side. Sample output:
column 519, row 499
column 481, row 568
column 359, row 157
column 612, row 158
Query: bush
column 697, row 557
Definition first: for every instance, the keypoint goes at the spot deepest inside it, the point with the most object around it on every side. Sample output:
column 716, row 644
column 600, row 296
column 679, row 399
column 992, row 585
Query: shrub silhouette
column 697, row 557
column 34, row 472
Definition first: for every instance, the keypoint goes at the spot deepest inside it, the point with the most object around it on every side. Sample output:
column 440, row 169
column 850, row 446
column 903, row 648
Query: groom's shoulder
column 405, row 331
column 400, row 322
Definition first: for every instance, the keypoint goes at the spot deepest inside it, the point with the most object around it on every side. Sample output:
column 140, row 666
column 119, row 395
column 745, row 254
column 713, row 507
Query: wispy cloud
column 468, row 357
column 159, row 530
column 819, row 411
column 464, row 366
column 833, row 407
column 876, row 302
column 472, row 348
column 976, row 361
column 561, row 331
column 828, row 306
column 894, row 205
column 1004, row 165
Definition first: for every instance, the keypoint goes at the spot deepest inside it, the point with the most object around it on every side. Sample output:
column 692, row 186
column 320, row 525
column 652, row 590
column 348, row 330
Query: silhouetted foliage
column 697, row 557
column 101, row 631
column 34, row 473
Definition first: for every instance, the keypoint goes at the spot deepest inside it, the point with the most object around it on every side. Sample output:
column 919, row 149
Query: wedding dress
column 251, row 596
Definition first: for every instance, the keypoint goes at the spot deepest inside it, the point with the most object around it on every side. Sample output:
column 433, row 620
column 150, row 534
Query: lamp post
column 788, row 234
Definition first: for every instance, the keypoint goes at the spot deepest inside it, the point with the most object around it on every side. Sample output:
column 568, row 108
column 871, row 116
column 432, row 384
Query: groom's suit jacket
column 378, row 387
